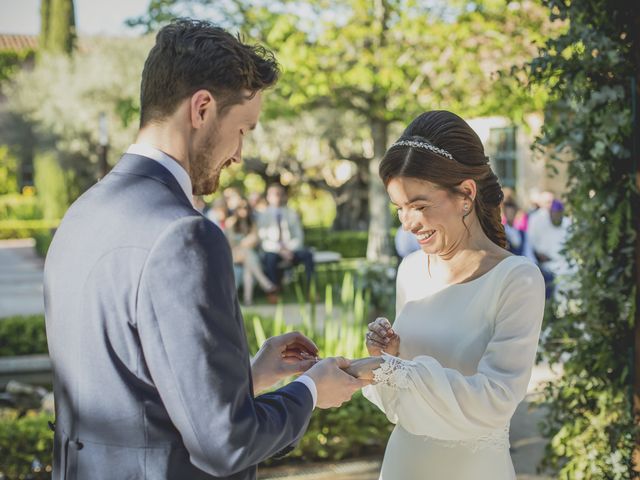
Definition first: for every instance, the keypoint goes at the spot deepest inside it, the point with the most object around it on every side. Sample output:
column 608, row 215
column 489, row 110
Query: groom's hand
column 334, row 385
column 363, row 368
column 280, row 357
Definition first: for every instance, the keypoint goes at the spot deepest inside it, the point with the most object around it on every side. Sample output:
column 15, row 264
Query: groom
column 152, row 373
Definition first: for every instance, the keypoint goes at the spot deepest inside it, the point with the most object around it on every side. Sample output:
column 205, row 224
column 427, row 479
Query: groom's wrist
column 311, row 385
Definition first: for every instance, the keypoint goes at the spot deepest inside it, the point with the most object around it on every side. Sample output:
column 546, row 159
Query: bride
column 455, row 364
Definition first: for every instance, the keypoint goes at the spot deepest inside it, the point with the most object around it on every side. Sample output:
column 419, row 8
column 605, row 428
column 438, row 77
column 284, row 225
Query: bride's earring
column 466, row 210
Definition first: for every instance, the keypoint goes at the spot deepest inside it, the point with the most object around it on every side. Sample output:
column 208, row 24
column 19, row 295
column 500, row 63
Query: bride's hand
column 363, row 368
column 382, row 338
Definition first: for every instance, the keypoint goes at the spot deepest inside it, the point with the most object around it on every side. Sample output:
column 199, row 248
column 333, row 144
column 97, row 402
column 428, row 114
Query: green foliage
column 43, row 240
column 60, row 100
column 588, row 124
column 10, row 61
column 8, row 171
column 26, row 445
column 19, row 207
column 58, row 22
column 25, row 228
column 349, row 244
column 354, row 430
column 23, row 335
column 53, row 186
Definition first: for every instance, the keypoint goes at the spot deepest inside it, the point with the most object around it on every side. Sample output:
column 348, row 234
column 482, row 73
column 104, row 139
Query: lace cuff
column 393, row 372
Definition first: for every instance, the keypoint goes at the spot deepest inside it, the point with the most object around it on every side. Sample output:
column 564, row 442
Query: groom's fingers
column 300, row 347
column 298, row 338
column 298, row 367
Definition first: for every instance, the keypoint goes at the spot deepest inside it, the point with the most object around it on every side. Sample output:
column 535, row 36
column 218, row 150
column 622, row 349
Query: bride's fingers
column 379, row 330
column 378, row 338
column 373, row 343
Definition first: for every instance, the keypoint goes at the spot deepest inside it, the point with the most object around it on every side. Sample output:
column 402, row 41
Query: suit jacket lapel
column 147, row 167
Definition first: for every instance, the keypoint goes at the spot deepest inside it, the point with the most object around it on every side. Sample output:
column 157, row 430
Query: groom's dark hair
column 190, row 55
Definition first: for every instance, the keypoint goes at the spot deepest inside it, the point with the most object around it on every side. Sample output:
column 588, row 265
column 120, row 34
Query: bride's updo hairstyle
column 441, row 148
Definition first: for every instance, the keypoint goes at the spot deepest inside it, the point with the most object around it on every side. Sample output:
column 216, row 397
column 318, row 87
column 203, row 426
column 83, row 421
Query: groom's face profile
column 217, row 143
column 201, row 93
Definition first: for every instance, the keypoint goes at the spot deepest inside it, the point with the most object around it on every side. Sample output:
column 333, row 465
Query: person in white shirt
column 281, row 236
column 548, row 235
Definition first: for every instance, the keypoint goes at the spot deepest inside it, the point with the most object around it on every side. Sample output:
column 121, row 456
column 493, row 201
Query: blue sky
column 92, row 16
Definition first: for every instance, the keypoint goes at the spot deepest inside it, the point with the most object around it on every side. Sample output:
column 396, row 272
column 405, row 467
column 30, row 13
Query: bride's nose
column 410, row 225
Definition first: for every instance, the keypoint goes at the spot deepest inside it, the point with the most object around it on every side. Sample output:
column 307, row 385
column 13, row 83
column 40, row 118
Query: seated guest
column 517, row 241
column 242, row 233
column 281, row 236
column 218, row 212
column 548, row 235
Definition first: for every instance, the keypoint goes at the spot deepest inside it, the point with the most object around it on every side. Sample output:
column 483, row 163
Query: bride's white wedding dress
column 466, row 353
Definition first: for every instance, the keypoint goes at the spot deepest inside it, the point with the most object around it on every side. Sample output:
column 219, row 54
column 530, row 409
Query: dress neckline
column 484, row 275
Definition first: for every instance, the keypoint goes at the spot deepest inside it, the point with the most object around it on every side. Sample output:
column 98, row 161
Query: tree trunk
column 379, row 246
column 352, row 202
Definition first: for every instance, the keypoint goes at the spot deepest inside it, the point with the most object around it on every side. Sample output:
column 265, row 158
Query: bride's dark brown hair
column 447, row 131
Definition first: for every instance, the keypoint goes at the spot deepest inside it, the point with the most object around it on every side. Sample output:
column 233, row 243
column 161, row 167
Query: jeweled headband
column 424, row 146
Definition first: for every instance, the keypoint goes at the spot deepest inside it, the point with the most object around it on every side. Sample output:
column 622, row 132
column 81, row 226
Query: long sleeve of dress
column 426, row 398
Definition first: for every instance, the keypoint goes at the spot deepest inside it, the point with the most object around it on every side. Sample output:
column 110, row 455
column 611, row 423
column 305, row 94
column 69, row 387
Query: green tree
column 45, row 27
column 588, row 123
column 385, row 61
column 8, row 171
column 57, row 26
column 59, row 101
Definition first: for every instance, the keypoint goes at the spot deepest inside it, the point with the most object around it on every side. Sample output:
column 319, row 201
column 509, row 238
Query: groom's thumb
column 343, row 362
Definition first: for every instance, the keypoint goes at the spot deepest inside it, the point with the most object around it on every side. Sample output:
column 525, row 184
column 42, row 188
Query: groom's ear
column 202, row 105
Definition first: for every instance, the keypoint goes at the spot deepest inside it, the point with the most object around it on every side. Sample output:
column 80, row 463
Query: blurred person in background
column 218, row 213
column 242, row 233
column 547, row 237
column 282, row 237
column 517, row 240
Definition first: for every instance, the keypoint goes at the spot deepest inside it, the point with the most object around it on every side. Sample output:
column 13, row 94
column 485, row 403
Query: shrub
column 25, row 228
column 54, row 186
column 350, row 244
column 23, row 335
column 14, row 206
column 43, row 239
column 26, row 445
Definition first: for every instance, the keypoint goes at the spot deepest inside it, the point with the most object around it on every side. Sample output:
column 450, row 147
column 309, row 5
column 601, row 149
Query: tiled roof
column 18, row 43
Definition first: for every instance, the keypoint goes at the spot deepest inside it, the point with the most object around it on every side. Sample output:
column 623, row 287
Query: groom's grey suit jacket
column 152, row 375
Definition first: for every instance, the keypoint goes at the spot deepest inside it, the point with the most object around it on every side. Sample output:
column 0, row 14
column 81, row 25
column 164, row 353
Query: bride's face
column 430, row 212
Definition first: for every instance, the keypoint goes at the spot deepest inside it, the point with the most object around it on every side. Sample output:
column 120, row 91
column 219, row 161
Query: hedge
column 11, row 229
column 349, row 243
column 23, row 335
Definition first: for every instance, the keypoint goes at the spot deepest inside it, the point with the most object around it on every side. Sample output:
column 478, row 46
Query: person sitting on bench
column 282, row 237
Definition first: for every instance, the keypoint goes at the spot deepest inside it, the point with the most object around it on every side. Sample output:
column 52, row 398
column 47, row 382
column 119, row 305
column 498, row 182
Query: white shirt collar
column 178, row 172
